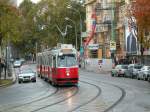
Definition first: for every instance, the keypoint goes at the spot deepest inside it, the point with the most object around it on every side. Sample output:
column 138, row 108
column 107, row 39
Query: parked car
column 119, row 70
column 132, row 70
column 26, row 75
column 148, row 77
column 143, row 73
column 22, row 60
column 17, row 64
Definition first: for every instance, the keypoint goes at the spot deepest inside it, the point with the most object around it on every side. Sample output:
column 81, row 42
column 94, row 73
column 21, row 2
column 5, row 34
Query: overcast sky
column 34, row 1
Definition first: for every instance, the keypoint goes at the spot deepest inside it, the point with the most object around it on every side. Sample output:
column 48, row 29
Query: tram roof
column 58, row 49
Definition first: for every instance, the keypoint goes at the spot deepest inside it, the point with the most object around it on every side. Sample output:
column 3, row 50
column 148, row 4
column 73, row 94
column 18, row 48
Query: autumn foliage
column 140, row 9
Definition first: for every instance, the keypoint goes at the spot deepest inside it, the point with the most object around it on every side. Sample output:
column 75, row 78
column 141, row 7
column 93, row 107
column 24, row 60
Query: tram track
column 63, row 100
column 57, row 102
column 42, row 98
column 91, row 100
column 75, row 92
column 116, row 86
column 36, row 100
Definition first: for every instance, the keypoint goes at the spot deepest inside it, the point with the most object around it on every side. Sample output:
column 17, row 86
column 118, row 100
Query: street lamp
column 68, row 19
column 65, row 32
column 70, row 7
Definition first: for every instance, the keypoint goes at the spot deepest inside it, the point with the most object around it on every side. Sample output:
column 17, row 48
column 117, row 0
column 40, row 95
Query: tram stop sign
column 112, row 45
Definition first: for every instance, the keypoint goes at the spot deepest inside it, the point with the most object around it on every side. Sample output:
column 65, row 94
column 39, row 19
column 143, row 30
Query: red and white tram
column 58, row 65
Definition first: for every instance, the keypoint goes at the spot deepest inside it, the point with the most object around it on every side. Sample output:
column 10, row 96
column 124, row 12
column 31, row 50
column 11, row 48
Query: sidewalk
column 95, row 69
column 12, row 77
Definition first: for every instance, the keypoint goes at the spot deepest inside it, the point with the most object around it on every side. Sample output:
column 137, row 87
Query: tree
column 9, row 23
column 141, row 11
column 9, row 20
column 40, row 20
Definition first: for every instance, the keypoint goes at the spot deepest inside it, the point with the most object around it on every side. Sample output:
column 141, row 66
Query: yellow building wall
column 100, row 54
column 108, row 54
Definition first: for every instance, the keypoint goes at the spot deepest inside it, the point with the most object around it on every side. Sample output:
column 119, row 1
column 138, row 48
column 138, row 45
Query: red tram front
column 59, row 65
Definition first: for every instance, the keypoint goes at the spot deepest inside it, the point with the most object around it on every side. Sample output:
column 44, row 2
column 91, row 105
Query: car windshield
column 26, row 71
column 146, row 67
column 124, row 67
column 138, row 66
column 17, row 62
column 67, row 60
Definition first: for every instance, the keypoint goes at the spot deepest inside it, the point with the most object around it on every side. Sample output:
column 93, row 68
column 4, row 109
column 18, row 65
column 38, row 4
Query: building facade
column 110, row 28
column 108, row 43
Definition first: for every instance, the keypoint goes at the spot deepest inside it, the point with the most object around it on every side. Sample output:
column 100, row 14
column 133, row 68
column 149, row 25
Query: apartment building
column 108, row 43
column 110, row 26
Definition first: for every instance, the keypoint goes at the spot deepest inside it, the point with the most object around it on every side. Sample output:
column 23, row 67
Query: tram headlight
column 68, row 74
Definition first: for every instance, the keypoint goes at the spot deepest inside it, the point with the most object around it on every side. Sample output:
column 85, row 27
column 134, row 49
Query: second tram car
column 58, row 65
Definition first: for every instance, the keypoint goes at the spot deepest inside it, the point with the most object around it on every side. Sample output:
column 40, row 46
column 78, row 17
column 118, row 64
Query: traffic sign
column 112, row 45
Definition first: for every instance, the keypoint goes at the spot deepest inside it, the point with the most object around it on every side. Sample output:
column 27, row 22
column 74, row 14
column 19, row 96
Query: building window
column 93, row 53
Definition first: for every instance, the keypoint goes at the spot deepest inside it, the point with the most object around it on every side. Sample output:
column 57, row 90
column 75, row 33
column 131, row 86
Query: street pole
column 68, row 19
column 113, row 27
column 70, row 7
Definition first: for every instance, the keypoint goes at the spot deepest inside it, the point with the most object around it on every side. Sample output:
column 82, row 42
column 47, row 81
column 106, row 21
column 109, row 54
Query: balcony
column 107, row 18
column 101, row 28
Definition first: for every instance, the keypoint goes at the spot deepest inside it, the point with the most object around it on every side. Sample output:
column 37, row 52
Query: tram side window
column 43, row 61
column 54, row 61
column 50, row 61
column 46, row 60
column 40, row 60
column 61, row 61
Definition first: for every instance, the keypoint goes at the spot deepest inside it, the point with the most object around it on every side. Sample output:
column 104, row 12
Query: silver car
column 26, row 75
column 143, row 73
column 133, row 70
column 17, row 64
column 119, row 70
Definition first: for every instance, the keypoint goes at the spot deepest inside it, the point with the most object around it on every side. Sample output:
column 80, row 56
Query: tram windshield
column 67, row 60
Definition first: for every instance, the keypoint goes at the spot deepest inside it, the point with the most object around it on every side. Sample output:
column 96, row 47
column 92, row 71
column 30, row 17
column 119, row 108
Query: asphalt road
column 94, row 93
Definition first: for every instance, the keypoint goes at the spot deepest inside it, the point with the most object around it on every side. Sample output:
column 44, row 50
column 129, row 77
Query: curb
column 8, row 84
column 14, row 79
column 97, row 71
